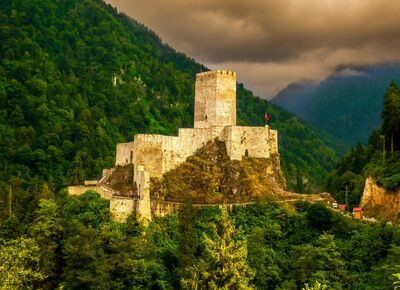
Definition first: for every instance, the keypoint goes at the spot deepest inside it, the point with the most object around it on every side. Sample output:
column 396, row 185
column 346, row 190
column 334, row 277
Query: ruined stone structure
column 214, row 118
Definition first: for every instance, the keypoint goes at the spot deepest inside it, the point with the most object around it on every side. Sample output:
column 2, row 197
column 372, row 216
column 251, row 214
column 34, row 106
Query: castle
column 153, row 155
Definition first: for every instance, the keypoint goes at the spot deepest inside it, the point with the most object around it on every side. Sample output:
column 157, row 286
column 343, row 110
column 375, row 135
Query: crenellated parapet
column 214, row 73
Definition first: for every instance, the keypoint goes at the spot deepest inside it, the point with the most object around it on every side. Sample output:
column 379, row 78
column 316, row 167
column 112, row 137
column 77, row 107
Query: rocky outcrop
column 121, row 181
column 380, row 203
column 211, row 177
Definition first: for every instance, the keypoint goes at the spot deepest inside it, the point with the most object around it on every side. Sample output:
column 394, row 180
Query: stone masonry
column 214, row 118
column 215, row 101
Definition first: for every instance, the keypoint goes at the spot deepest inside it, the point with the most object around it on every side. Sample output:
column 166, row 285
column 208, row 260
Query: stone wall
column 273, row 142
column 78, row 190
column 163, row 208
column 90, row 182
column 249, row 141
column 190, row 140
column 122, row 208
column 143, row 209
column 124, row 154
column 159, row 154
column 148, row 151
column 215, row 99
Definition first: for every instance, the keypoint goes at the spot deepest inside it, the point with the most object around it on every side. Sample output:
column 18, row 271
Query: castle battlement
column 153, row 138
column 213, row 73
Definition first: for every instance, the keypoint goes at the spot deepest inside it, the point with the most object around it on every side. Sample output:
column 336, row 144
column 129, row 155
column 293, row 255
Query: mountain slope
column 347, row 104
column 380, row 159
column 77, row 77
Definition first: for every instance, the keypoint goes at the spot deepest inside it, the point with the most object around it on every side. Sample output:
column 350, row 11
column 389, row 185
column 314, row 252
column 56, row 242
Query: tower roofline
column 215, row 72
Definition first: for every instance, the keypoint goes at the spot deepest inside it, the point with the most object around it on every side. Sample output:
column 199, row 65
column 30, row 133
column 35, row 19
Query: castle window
column 131, row 156
column 246, row 153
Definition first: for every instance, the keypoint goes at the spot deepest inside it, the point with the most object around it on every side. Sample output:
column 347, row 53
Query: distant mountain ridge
column 347, row 104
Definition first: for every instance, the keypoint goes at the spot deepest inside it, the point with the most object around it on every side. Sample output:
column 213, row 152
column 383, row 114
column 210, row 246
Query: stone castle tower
column 215, row 99
column 214, row 117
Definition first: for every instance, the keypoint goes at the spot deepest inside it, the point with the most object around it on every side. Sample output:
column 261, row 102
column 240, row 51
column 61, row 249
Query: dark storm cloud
column 297, row 39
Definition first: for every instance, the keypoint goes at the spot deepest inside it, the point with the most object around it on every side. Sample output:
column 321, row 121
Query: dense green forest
column 72, row 243
column 76, row 78
column 379, row 159
column 346, row 104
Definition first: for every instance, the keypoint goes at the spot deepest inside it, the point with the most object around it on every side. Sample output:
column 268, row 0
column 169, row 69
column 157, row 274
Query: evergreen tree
column 188, row 238
column 263, row 258
column 47, row 230
column 372, row 160
column 19, row 264
column 315, row 286
column 396, row 283
column 319, row 262
column 86, row 263
column 223, row 264
column 390, row 267
column 391, row 117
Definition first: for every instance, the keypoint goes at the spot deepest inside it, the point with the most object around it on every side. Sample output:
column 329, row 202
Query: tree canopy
column 379, row 159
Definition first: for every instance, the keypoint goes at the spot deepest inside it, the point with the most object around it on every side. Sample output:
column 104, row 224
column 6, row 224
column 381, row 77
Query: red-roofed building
column 358, row 213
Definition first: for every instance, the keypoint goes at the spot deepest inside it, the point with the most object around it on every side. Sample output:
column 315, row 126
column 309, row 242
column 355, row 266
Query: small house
column 342, row 207
column 358, row 213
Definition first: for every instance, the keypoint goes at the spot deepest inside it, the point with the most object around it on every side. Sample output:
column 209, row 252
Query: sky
column 272, row 43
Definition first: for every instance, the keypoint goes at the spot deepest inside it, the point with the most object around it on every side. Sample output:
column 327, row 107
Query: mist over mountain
column 347, row 104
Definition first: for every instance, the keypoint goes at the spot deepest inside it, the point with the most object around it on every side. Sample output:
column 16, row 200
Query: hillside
column 211, row 177
column 77, row 78
column 380, row 159
column 347, row 104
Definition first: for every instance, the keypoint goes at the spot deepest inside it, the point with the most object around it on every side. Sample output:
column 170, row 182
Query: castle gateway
column 152, row 155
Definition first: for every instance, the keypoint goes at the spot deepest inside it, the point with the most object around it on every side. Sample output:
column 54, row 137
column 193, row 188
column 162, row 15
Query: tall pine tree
column 223, row 264
column 391, row 117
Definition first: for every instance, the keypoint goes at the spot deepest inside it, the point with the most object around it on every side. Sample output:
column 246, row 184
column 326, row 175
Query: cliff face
column 380, row 203
column 210, row 176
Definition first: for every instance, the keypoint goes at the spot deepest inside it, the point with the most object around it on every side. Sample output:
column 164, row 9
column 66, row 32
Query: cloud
column 272, row 43
column 349, row 72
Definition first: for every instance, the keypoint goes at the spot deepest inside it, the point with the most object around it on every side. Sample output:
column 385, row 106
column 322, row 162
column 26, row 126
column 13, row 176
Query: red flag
column 266, row 118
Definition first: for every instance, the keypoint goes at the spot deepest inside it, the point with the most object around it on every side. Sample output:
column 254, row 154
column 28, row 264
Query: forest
column 72, row 243
column 379, row 159
column 76, row 78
